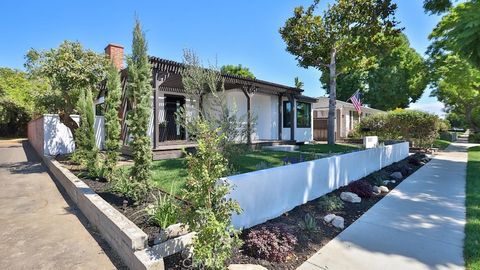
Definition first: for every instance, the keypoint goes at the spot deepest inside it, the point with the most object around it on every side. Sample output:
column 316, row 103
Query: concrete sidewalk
column 418, row 225
column 38, row 228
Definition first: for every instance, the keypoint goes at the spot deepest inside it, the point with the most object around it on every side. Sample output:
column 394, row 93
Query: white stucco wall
column 57, row 138
column 266, row 194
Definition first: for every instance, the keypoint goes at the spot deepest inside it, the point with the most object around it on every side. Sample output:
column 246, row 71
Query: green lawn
column 326, row 148
column 172, row 174
column 472, row 229
column 441, row 144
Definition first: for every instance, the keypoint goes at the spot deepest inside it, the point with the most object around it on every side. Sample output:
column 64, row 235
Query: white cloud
column 435, row 107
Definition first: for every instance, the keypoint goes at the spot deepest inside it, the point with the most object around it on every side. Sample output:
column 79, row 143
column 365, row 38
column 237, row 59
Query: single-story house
column 277, row 121
column 345, row 114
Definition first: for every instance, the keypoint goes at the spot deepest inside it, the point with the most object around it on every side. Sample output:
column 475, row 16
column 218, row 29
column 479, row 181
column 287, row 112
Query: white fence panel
column 50, row 136
column 266, row 194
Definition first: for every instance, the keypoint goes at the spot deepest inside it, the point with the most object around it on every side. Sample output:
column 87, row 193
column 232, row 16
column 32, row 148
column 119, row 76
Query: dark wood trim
column 249, row 91
column 280, row 124
column 293, row 113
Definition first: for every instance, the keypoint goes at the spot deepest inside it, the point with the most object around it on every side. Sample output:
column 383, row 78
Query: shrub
column 362, row 188
column 274, row 244
column 377, row 178
column 308, row 224
column 13, row 118
column 419, row 128
column 474, row 138
column 330, row 203
column 123, row 185
column 164, row 210
column 209, row 212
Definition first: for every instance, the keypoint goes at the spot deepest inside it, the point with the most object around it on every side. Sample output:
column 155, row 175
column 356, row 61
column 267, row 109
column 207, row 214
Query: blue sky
column 222, row 32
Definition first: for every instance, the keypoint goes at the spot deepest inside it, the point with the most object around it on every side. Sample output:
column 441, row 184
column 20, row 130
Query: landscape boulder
column 328, row 218
column 350, row 197
column 338, row 222
column 376, row 190
column 397, row 175
column 170, row 232
column 383, row 189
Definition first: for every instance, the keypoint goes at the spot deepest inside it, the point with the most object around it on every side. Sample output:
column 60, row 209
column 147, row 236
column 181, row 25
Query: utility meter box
column 370, row 141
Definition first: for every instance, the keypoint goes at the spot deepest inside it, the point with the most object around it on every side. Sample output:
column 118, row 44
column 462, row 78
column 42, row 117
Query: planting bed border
column 129, row 241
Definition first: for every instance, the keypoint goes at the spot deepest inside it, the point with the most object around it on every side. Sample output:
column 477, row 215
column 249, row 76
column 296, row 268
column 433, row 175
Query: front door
column 172, row 106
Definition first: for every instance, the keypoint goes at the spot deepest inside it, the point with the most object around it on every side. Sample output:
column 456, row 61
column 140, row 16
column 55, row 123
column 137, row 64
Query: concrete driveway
column 39, row 229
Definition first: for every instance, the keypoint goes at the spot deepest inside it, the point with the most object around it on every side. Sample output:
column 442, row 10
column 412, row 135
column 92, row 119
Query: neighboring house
column 345, row 114
column 269, row 103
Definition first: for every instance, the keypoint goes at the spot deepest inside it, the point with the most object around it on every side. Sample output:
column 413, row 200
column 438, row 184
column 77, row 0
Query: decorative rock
column 397, row 175
column 246, row 267
column 350, row 197
column 170, row 232
column 328, row 218
column 383, row 189
column 338, row 222
column 377, row 190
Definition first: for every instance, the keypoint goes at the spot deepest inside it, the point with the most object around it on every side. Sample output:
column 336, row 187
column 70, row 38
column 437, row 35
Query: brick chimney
column 115, row 53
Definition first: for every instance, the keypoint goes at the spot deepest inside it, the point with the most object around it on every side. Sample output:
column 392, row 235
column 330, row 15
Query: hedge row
column 419, row 128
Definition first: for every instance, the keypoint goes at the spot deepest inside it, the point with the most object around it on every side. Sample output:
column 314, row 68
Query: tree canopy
column 345, row 37
column 459, row 32
column 457, row 84
column 19, row 101
column 398, row 77
column 238, row 70
column 68, row 69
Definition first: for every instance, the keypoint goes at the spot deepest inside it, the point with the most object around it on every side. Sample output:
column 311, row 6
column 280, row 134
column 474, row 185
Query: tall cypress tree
column 85, row 135
column 139, row 92
column 112, row 122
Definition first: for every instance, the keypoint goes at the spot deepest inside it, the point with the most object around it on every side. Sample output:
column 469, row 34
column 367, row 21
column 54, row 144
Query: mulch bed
column 308, row 243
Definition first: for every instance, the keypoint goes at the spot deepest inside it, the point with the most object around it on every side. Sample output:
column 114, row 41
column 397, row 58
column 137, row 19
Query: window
column 304, row 115
column 287, row 110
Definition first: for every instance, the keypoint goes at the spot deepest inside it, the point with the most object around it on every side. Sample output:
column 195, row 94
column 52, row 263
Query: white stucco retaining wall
column 269, row 193
column 56, row 138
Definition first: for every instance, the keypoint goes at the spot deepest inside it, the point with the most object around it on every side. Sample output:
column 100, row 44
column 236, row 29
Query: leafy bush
column 474, row 138
column 209, row 213
column 362, row 188
column 274, row 244
column 164, row 210
column 378, row 178
column 419, row 128
column 13, row 118
column 123, row 185
column 330, row 203
column 308, row 224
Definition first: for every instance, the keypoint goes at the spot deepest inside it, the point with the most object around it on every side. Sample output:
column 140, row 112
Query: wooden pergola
column 167, row 78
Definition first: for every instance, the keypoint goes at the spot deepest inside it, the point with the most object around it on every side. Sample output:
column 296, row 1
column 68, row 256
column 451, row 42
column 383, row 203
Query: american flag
column 357, row 103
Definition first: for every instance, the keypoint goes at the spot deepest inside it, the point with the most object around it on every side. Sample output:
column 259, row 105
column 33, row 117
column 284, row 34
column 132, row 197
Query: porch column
column 280, row 126
column 155, row 111
column 293, row 113
column 249, row 91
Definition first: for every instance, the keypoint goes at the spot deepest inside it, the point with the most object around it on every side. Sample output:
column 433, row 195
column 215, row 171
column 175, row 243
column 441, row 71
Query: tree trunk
column 468, row 117
column 68, row 121
column 332, row 98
